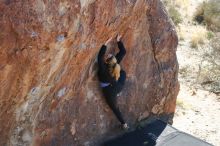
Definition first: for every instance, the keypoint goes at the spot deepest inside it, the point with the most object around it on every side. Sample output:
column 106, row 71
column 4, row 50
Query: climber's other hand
column 118, row 38
column 108, row 41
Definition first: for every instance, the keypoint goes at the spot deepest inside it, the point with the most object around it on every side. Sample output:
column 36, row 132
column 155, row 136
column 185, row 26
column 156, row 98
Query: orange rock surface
column 49, row 92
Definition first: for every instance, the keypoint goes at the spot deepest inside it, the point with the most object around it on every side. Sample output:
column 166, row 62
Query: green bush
column 210, row 35
column 172, row 6
column 175, row 15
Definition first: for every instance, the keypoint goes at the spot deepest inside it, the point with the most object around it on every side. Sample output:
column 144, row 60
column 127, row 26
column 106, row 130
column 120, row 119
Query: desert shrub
column 199, row 13
column 209, row 14
column 209, row 74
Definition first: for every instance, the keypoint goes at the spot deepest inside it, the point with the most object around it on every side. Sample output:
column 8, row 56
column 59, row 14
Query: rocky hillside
column 49, row 92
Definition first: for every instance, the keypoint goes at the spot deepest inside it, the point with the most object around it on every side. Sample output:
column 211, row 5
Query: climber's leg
column 112, row 102
column 111, row 99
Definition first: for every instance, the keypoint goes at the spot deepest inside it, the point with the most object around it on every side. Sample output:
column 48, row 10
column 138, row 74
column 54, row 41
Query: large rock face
column 49, row 92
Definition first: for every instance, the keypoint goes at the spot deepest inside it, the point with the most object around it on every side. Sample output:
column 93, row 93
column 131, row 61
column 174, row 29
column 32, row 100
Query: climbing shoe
column 125, row 126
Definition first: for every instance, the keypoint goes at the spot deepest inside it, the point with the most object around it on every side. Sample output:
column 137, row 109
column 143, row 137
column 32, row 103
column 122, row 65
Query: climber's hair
column 113, row 67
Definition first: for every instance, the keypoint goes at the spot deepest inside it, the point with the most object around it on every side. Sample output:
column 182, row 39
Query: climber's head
column 113, row 67
column 110, row 59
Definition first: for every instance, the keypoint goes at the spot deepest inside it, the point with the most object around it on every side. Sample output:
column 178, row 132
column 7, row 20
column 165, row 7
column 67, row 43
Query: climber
column 112, row 77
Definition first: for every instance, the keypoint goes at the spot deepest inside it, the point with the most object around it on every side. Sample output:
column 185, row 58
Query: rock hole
column 46, row 48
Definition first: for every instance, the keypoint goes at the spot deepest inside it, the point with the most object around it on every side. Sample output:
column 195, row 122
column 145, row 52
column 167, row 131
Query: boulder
column 49, row 91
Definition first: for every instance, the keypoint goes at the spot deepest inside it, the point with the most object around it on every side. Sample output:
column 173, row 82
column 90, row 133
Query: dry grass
column 177, row 3
column 181, row 31
column 199, row 36
column 182, row 104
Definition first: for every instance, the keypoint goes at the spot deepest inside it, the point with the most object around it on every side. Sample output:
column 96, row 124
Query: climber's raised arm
column 119, row 56
column 101, row 54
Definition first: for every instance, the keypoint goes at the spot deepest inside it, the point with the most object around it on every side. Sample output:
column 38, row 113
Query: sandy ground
column 197, row 111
